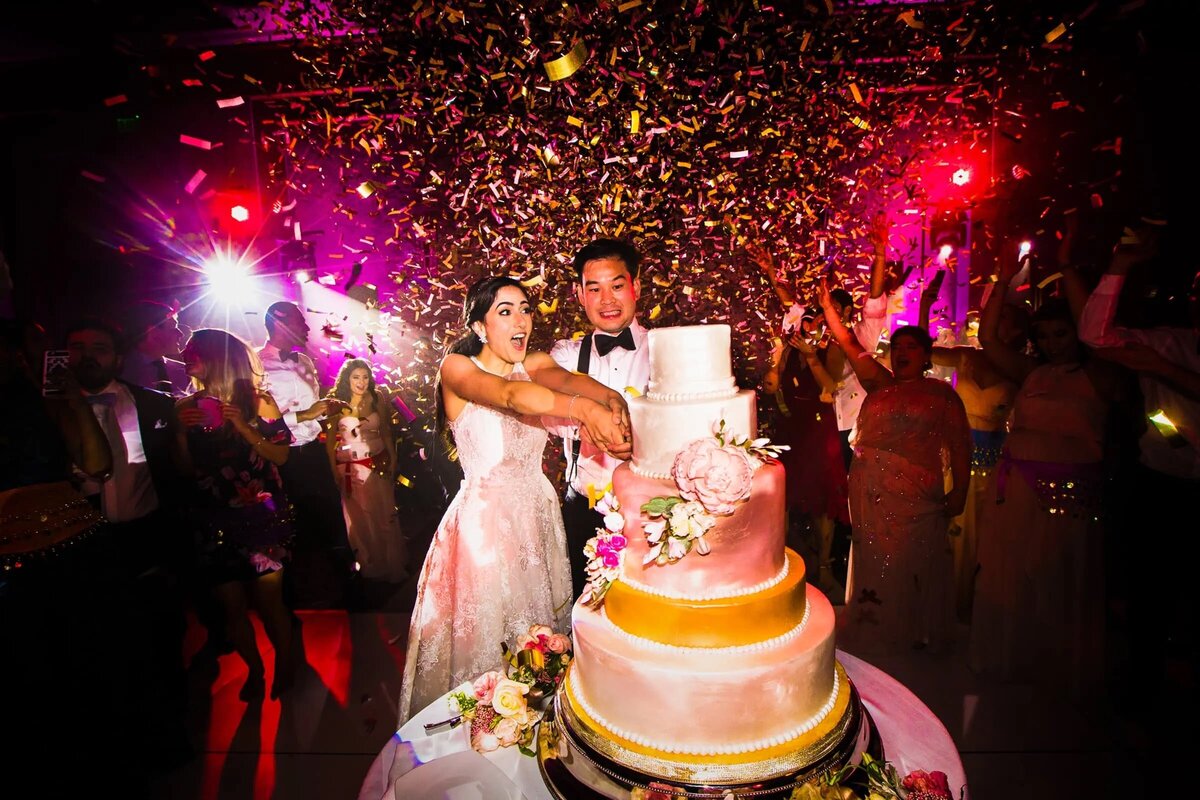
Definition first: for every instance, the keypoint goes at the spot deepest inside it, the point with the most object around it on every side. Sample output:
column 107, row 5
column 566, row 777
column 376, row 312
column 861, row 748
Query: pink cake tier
column 714, row 706
column 747, row 552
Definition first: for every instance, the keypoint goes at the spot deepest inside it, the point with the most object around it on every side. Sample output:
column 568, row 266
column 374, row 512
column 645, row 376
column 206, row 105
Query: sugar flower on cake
column 605, row 551
column 678, row 527
column 718, row 476
column 759, row 449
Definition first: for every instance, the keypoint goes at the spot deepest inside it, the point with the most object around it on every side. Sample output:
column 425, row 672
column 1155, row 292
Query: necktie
column 605, row 343
column 104, row 406
column 162, row 380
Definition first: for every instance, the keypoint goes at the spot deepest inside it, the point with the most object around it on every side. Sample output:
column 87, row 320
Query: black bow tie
column 289, row 355
column 605, row 343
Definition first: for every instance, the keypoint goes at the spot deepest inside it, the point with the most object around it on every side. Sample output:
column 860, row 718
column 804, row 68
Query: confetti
column 192, row 141
column 565, row 66
column 195, row 181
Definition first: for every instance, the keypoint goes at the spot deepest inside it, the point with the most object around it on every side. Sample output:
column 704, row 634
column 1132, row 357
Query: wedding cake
column 701, row 655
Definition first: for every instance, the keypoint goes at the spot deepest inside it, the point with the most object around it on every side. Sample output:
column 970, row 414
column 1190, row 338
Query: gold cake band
column 793, row 755
column 725, row 622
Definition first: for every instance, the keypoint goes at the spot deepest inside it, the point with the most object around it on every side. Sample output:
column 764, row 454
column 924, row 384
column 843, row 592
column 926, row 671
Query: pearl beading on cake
column 758, row 587
column 683, row 397
column 736, row 650
column 722, row 750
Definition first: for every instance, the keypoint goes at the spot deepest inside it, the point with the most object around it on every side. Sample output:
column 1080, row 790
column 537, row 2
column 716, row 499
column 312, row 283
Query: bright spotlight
column 228, row 282
column 961, row 177
column 302, row 276
column 1026, row 247
column 239, row 213
column 945, row 252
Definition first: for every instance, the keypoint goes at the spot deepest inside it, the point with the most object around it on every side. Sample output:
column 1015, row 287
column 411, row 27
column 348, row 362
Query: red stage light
column 239, row 213
column 961, row 177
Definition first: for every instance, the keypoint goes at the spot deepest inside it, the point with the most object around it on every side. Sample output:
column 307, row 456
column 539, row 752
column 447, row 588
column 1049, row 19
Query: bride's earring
column 482, row 336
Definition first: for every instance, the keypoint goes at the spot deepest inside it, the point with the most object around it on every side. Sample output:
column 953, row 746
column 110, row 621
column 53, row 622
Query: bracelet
column 571, row 405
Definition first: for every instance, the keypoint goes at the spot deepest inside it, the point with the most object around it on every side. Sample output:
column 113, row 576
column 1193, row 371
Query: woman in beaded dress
column 498, row 561
column 230, row 439
column 362, row 451
column 911, row 429
column 1039, row 594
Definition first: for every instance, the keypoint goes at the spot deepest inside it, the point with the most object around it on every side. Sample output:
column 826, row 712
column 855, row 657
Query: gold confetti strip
column 547, row 309
column 565, row 66
column 627, row 6
column 576, row 121
column 1058, row 31
column 635, row 121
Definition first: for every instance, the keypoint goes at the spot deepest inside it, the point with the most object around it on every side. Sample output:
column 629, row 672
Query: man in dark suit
column 150, row 542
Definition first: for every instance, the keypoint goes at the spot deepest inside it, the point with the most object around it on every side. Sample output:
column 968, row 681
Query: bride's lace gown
column 498, row 562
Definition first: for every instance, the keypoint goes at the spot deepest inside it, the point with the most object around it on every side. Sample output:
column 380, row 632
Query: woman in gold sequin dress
column 498, row 562
column 910, row 430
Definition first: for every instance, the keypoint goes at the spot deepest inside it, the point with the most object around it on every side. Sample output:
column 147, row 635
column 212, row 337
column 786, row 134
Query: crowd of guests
column 150, row 475
column 1022, row 497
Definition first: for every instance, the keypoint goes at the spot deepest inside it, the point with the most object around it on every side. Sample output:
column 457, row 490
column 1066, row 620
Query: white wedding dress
column 498, row 562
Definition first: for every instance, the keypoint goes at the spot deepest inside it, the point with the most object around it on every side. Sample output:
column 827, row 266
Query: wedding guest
column 816, row 482
column 1166, row 479
column 867, row 331
column 1039, row 594
column 153, row 342
column 615, row 353
column 911, row 429
column 323, row 562
column 152, row 547
column 362, row 450
column 498, row 562
column 229, row 441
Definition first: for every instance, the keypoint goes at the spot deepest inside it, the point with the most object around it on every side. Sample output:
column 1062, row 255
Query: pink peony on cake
column 702, row 656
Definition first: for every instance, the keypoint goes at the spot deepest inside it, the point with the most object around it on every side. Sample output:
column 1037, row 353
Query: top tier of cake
column 691, row 390
column 690, row 362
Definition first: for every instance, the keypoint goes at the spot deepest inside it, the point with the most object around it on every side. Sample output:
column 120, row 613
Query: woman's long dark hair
column 480, row 298
column 341, row 389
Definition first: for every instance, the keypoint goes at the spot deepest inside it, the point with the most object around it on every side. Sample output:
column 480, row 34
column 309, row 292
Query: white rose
column 509, row 697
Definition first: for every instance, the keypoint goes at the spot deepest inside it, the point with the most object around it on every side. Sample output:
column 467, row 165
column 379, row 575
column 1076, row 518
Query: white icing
column 734, row 748
column 681, row 397
column 735, row 650
column 662, row 430
column 690, row 360
column 716, row 595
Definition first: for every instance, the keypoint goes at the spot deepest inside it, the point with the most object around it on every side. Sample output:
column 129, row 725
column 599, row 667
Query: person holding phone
column 230, row 439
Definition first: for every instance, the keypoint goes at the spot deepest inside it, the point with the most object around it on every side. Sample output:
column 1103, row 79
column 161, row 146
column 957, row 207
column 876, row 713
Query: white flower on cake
column 713, row 476
column 605, row 552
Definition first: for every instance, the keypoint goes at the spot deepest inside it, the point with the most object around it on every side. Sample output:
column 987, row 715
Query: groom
column 616, row 354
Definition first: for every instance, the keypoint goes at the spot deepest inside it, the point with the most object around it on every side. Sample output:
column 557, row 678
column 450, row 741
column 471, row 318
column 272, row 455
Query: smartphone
column 211, row 407
column 54, row 373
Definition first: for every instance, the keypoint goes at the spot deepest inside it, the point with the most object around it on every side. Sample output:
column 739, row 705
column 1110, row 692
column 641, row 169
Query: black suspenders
column 585, row 360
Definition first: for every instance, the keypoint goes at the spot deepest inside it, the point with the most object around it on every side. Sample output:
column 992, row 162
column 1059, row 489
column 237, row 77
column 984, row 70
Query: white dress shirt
column 128, row 493
column 295, row 387
column 628, row 372
column 1177, row 345
column 850, row 394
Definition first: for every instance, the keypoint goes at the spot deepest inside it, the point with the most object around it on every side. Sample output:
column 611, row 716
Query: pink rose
column 534, row 636
column 558, row 643
column 507, row 731
column 485, row 686
column 931, row 784
column 716, row 476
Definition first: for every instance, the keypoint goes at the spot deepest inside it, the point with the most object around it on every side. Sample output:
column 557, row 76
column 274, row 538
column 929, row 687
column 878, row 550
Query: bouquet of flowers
column 876, row 780
column 540, row 660
column 605, row 551
column 498, row 713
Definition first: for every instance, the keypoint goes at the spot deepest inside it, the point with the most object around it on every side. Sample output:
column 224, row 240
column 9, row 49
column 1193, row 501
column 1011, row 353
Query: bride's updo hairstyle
column 480, row 298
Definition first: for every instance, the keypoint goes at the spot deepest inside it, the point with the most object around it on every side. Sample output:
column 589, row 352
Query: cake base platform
column 574, row 771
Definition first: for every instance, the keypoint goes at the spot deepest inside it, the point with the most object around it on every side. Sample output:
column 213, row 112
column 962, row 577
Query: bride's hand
column 605, row 433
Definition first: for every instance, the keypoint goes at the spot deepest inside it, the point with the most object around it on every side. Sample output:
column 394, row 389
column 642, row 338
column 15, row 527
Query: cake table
column 415, row 765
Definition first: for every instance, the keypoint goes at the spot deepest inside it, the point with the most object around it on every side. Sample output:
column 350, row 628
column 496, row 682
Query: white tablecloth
column 913, row 738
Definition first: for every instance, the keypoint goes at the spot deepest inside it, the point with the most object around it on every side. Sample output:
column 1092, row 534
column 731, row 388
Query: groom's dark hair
column 608, row 248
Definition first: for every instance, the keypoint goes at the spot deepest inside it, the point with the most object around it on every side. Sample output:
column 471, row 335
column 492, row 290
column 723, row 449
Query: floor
column 319, row 741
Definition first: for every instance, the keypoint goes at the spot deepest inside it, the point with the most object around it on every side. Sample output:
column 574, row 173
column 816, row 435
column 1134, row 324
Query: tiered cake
column 713, row 669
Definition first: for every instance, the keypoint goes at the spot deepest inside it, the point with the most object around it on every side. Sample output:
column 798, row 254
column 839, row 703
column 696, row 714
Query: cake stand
column 573, row 770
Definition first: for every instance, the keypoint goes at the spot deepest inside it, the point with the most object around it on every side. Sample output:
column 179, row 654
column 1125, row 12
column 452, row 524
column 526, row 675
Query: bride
column 498, row 562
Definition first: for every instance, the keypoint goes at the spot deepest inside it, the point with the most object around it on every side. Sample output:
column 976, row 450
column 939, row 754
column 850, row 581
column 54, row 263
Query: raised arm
column 812, row 357
column 1005, row 357
column 766, row 263
column 870, row 372
column 929, row 296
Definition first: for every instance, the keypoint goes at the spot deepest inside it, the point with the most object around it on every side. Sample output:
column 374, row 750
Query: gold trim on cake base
column 763, row 764
column 723, row 622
